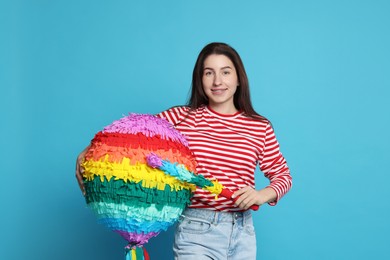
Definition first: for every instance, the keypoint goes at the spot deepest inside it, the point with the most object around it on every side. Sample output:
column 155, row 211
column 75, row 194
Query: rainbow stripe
column 128, row 196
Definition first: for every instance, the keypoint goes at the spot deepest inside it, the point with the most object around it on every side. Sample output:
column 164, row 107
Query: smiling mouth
column 218, row 91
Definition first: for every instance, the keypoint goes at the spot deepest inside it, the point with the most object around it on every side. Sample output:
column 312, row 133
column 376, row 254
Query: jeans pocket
column 194, row 225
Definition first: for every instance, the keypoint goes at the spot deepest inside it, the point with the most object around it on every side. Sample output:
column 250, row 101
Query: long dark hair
column 242, row 100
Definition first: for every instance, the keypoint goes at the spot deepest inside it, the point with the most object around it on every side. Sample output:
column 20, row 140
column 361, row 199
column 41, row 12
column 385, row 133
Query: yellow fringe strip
column 216, row 189
column 133, row 255
column 149, row 177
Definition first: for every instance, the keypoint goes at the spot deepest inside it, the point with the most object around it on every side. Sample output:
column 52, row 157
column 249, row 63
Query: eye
column 226, row 72
column 208, row 73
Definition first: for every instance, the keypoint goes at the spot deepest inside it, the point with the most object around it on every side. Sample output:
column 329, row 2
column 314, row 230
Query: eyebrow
column 226, row 67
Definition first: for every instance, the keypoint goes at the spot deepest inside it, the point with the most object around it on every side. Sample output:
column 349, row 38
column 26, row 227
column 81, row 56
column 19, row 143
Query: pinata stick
column 181, row 173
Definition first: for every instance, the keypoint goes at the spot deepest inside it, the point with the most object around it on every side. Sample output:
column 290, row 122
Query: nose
column 217, row 79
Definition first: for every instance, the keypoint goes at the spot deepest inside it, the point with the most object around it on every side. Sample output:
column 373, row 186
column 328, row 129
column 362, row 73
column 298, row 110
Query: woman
column 228, row 139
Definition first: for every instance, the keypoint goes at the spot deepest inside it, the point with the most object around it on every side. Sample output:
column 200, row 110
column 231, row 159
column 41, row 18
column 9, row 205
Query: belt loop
column 248, row 216
column 215, row 220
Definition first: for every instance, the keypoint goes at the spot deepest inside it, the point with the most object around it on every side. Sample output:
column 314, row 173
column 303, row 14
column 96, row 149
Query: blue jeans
column 206, row 234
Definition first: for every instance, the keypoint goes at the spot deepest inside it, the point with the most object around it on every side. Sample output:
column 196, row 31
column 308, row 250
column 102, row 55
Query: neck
column 225, row 110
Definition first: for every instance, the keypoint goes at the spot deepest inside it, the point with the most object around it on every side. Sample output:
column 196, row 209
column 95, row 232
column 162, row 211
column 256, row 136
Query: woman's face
column 220, row 82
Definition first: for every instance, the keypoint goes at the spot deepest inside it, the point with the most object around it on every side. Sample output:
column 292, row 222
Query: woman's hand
column 247, row 196
column 80, row 170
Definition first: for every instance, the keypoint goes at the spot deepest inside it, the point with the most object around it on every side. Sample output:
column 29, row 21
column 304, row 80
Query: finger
column 248, row 203
column 239, row 192
column 79, row 169
column 248, row 199
column 80, row 181
column 237, row 201
column 245, row 204
column 240, row 201
column 81, row 186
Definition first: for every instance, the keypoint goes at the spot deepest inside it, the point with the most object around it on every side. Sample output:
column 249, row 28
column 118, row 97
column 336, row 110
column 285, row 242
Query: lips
column 218, row 91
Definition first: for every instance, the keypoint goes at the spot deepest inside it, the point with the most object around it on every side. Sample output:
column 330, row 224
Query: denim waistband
column 215, row 217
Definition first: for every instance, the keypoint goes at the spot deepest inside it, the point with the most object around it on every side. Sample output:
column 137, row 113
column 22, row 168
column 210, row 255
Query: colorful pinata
column 128, row 196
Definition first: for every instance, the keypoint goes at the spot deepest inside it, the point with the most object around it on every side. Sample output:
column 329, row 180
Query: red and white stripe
column 228, row 148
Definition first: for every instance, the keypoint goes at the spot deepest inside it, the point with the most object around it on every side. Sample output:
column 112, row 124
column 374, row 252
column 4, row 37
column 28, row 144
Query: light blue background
column 319, row 70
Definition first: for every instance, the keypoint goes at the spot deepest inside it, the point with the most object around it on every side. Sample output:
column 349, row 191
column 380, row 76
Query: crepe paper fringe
column 136, row 239
column 180, row 172
column 101, row 151
column 139, row 140
column 151, row 213
column 134, row 193
column 138, row 253
column 177, row 170
column 150, row 178
column 132, row 225
column 131, row 193
column 149, row 125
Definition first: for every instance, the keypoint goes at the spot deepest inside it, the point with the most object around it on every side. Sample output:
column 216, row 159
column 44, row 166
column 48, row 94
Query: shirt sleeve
column 274, row 166
column 174, row 115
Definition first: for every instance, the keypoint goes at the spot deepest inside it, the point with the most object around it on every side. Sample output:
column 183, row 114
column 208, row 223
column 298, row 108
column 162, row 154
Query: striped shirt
column 228, row 148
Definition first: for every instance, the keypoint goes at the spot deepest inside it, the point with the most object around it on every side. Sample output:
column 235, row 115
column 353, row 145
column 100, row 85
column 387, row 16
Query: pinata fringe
column 137, row 253
column 104, row 169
